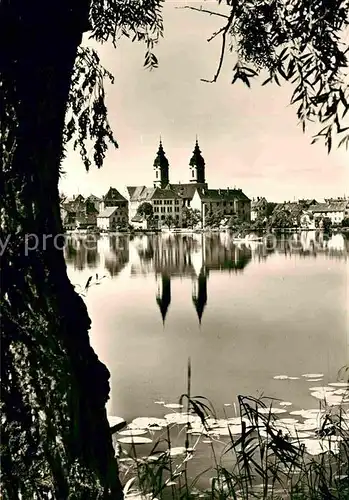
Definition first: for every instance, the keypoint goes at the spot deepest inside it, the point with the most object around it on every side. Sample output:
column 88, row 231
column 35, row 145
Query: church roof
column 164, row 194
column 222, row 195
column 186, row 191
column 143, row 193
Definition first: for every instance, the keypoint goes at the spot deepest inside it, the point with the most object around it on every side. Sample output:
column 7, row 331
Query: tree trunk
column 55, row 434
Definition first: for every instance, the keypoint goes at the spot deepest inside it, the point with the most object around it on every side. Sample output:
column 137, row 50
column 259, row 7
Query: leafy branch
column 298, row 41
column 87, row 121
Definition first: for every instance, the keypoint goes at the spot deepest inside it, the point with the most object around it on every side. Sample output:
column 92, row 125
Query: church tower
column 197, row 166
column 161, row 168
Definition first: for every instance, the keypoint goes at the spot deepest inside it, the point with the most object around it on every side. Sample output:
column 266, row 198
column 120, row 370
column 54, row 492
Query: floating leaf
column 173, row 405
column 133, row 432
column 324, row 389
column 134, row 440
column 179, row 450
column 147, row 422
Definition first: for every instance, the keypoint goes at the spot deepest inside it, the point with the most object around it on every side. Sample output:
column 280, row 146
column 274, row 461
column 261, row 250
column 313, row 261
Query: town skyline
column 249, row 138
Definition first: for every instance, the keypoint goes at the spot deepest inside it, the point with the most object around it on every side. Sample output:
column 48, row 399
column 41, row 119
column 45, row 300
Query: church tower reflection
column 199, row 294
column 163, row 296
column 193, row 256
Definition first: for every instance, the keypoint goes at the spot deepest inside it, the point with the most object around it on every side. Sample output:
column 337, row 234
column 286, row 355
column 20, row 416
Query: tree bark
column 55, row 434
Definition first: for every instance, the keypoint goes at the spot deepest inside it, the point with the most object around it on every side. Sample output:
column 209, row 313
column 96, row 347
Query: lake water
column 243, row 312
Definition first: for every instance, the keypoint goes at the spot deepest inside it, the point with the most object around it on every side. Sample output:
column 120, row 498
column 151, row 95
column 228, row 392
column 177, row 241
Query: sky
column 250, row 138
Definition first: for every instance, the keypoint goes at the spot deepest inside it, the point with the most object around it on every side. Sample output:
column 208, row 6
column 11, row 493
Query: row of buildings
column 305, row 214
column 168, row 204
column 168, row 201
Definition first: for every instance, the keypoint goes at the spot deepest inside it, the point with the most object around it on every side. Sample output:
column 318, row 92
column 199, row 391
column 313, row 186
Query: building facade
column 120, row 214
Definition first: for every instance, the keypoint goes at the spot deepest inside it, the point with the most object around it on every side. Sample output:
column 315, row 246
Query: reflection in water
column 192, row 256
column 81, row 252
column 163, row 297
column 278, row 315
column 118, row 255
column 200, row 293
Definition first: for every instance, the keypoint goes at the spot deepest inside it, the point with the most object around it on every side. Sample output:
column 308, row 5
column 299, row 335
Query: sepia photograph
column 174, row 249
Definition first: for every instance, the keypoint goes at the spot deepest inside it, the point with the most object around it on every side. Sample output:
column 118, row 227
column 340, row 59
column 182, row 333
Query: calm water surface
column 243, row 312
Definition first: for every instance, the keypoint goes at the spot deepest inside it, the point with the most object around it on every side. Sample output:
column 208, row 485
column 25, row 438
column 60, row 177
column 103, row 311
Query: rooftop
column 107, row 212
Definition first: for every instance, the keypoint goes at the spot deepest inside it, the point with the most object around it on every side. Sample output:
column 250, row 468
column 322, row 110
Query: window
column 176, row 209
column 177, row 202
column 163, row 209
column 156, row 216
column 162, row 217
column 169, row 209
column 193, row 173
column 177, row 216
column 157, row 174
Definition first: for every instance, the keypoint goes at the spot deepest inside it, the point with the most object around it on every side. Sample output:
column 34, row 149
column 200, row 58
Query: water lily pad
column 179, row 450
column 321, row 394
column 285, row 403
column 173, row 405
column 340, row 391
column 297, row 412
column 115, row 420
column 317, row 446
column 134, row 440
column 313, row 375
column 294, row 378
column 133, row 432
column 145, row 422
column 339, row 384
column 280, row 377
column 266, row 411
column 321, row 388
column 181, row 418
column 308, row 425
column 159, row 402
column 314, row 379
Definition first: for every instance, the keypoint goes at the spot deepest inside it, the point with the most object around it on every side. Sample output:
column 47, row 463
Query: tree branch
column 224, row 30
column 200, row 9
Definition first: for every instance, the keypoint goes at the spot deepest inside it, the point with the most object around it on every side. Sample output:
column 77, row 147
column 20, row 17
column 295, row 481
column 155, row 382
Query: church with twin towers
column 169, row 199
